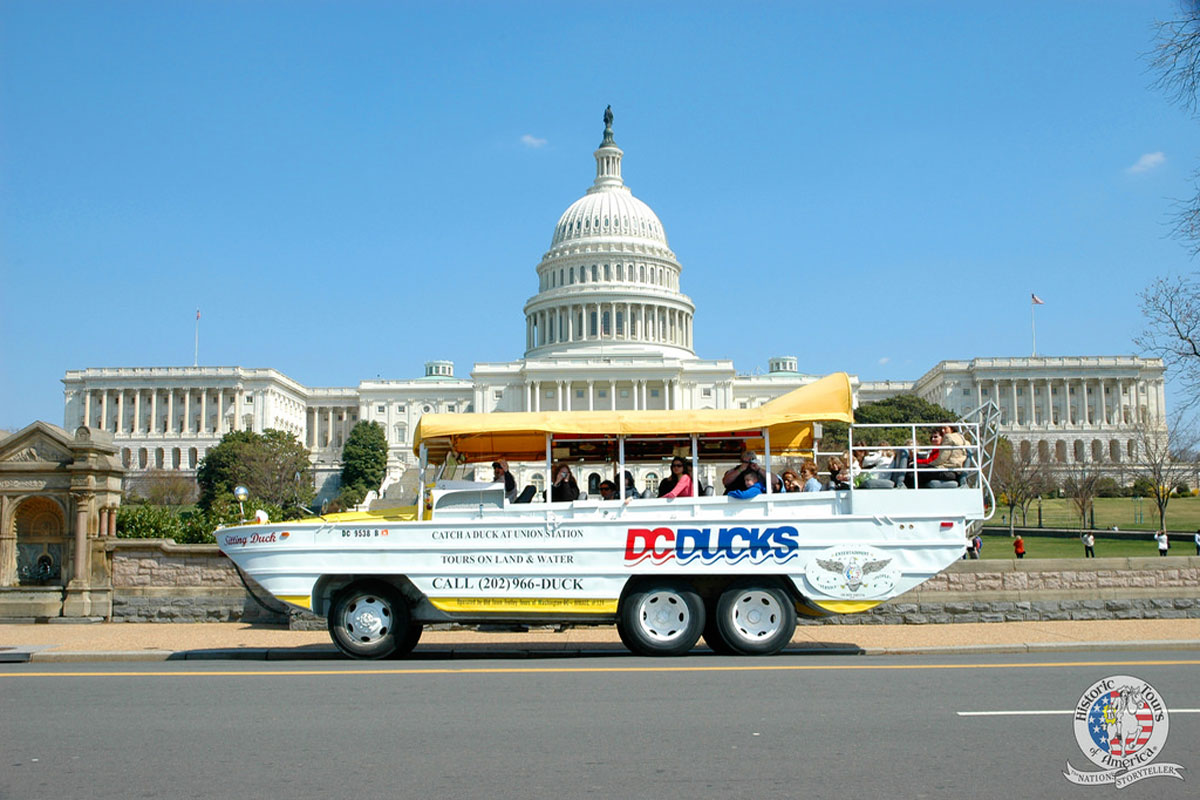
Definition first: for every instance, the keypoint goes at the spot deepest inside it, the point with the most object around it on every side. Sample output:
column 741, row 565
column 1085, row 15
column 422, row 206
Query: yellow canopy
column 521, row 436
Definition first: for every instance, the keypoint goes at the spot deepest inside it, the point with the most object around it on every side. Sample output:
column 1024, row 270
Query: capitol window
column 381, row 409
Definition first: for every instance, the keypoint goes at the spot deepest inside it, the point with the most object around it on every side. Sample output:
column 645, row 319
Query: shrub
column 1108, row 487
column 1142, row 487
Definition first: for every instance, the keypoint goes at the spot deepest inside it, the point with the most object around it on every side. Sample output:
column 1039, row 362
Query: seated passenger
column 679, row 482
column 631, row 492
column 879, row 456
column 839, row 474
column 564, row 488
column 608, row 491
column 753, row 488
column 938, row 457
column 792, row 482
column 808, row 471
column 500, row 474
column 735, row 478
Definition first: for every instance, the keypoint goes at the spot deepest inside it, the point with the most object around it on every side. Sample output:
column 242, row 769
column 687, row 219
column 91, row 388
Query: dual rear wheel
column 667, row 617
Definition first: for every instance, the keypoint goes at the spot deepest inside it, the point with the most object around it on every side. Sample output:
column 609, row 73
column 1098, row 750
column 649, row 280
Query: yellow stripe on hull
column 301, row 600
column 846, row 606
column 524, row 605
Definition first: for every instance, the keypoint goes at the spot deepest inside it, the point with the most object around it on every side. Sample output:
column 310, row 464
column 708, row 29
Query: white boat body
column 483, row 559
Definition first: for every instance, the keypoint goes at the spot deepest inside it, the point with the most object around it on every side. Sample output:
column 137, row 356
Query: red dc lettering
column 643, row 542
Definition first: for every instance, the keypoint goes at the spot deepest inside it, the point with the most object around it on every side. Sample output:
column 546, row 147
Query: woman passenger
column 808, row 471
column 839, row 474
column 679, row 483
column 792, row 482
column 564, row 489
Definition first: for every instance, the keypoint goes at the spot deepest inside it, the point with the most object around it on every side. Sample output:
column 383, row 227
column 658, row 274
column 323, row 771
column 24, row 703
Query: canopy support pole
column 766, row 432
column 695, row 468
column 549, row 468
column 424, row 462
column 621, row 467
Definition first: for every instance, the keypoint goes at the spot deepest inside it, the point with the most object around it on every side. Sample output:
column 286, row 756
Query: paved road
column 610, row 726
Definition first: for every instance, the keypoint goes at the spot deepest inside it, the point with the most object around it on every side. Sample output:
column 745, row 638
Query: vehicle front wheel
column 661, row 618
column 369, row 619
column 755, row 619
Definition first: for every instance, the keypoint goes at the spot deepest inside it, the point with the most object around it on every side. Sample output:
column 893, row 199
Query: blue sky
column 347, row 190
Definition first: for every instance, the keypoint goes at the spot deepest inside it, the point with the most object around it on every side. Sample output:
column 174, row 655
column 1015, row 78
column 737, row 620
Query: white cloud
column 1147, row 162
column 531, row 141
column 884, row 360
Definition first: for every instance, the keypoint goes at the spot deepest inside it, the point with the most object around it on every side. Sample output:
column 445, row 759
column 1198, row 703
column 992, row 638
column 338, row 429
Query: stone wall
column 160, row 581
column 1045, row 589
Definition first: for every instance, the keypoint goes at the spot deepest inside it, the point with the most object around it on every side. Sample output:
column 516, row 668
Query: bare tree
column 1080, row 482
column 1171, row 307
column 164, row 487
column 1166, row 457
column 1176, row 59
column 1019, row 479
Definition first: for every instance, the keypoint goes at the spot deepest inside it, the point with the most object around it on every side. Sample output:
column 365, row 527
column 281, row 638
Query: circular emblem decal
column 852, row 573
column 1121, row 724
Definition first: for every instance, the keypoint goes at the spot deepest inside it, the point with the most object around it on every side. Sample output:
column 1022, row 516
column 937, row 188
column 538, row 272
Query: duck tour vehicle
column 665, row 570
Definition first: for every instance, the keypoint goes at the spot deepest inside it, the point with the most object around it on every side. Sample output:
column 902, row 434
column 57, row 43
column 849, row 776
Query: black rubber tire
column 364, row 619
column 712, row 636
column 755, row 618
column 407, row 642
column 661, row 618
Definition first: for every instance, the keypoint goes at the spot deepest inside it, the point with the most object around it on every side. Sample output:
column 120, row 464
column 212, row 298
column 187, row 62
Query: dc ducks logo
column 1121, row 725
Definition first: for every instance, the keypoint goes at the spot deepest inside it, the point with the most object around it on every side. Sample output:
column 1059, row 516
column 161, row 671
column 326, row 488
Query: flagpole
column 196, row 354
column 1033, row 326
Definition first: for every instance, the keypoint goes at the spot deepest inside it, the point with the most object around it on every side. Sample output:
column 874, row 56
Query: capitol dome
column 609, row 282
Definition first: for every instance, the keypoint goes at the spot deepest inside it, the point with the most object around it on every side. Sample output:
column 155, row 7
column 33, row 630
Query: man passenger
column 735, row 479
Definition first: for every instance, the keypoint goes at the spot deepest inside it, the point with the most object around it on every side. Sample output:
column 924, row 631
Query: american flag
column 1103, row 714
column 1037, row 301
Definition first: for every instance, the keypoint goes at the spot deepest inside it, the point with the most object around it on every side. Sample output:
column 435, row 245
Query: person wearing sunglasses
column 679, row 482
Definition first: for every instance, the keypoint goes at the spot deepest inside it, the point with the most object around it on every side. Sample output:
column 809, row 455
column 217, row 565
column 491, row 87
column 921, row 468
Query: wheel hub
column 664, row 615
column 368, row 619
column 757, row 615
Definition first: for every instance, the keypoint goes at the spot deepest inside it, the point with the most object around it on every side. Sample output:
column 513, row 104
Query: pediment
column 39, row 443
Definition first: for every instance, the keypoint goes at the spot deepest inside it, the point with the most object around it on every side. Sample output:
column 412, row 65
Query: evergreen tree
column 364, row 462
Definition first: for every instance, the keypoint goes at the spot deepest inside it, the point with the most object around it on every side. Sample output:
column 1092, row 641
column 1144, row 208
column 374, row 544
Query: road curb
column 577, row 649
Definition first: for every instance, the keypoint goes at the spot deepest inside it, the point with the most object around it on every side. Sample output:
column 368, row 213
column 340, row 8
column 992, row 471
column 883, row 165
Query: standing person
column 978, row 543
column 1019, row 546
column 679, row 482
column 1164, row 543
column 1089, row 545
column 500, row 474
column 1198, row 541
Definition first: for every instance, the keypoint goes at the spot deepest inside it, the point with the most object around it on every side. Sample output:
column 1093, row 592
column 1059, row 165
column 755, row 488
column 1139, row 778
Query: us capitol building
column 609, row 328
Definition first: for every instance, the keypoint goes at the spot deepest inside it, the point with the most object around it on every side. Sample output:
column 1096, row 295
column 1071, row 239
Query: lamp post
column 241, row 493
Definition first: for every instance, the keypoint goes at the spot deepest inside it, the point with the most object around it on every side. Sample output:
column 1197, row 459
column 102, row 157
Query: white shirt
column 1161, row 538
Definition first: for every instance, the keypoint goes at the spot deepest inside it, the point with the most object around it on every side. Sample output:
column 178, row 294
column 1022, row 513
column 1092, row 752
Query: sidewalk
column 230, row 640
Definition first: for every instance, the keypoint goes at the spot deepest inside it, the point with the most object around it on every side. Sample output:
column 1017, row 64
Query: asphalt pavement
column 124, row 641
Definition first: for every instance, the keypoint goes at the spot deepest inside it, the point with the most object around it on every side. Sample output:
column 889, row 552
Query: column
column 112, row 521
column 187, row 411
column 1103, row 403
column 642, row 321
column 154, row 411
column 537, row 396
column 328, row 426
column 81, row 548
column 120, row 428
column 204, row 414
column 238, row 394
column 104, row 411
column 103, row 529
column 87, row 407
column 570, row 323
column 628, row 321
column 591, row 395
column 528, row 397
column 137, row 411
column 1016, row 411
column 559, row 389
column 612, row 395
column 644, row 393
column 171, row 411
column 1049, row 403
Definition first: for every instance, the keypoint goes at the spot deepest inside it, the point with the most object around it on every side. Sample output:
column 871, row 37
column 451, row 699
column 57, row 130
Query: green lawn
column 999, row 545
column 1127, row 513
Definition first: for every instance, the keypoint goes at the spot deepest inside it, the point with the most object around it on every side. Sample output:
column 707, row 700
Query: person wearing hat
column 500, row 474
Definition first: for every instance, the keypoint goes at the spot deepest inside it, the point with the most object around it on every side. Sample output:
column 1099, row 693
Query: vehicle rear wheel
column 661, row 618
column 408, row 641
column 755, row 618
column 369, row 619
column 712, row 636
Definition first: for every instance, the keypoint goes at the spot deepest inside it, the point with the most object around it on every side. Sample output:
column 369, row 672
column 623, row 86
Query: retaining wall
column 160, row 581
